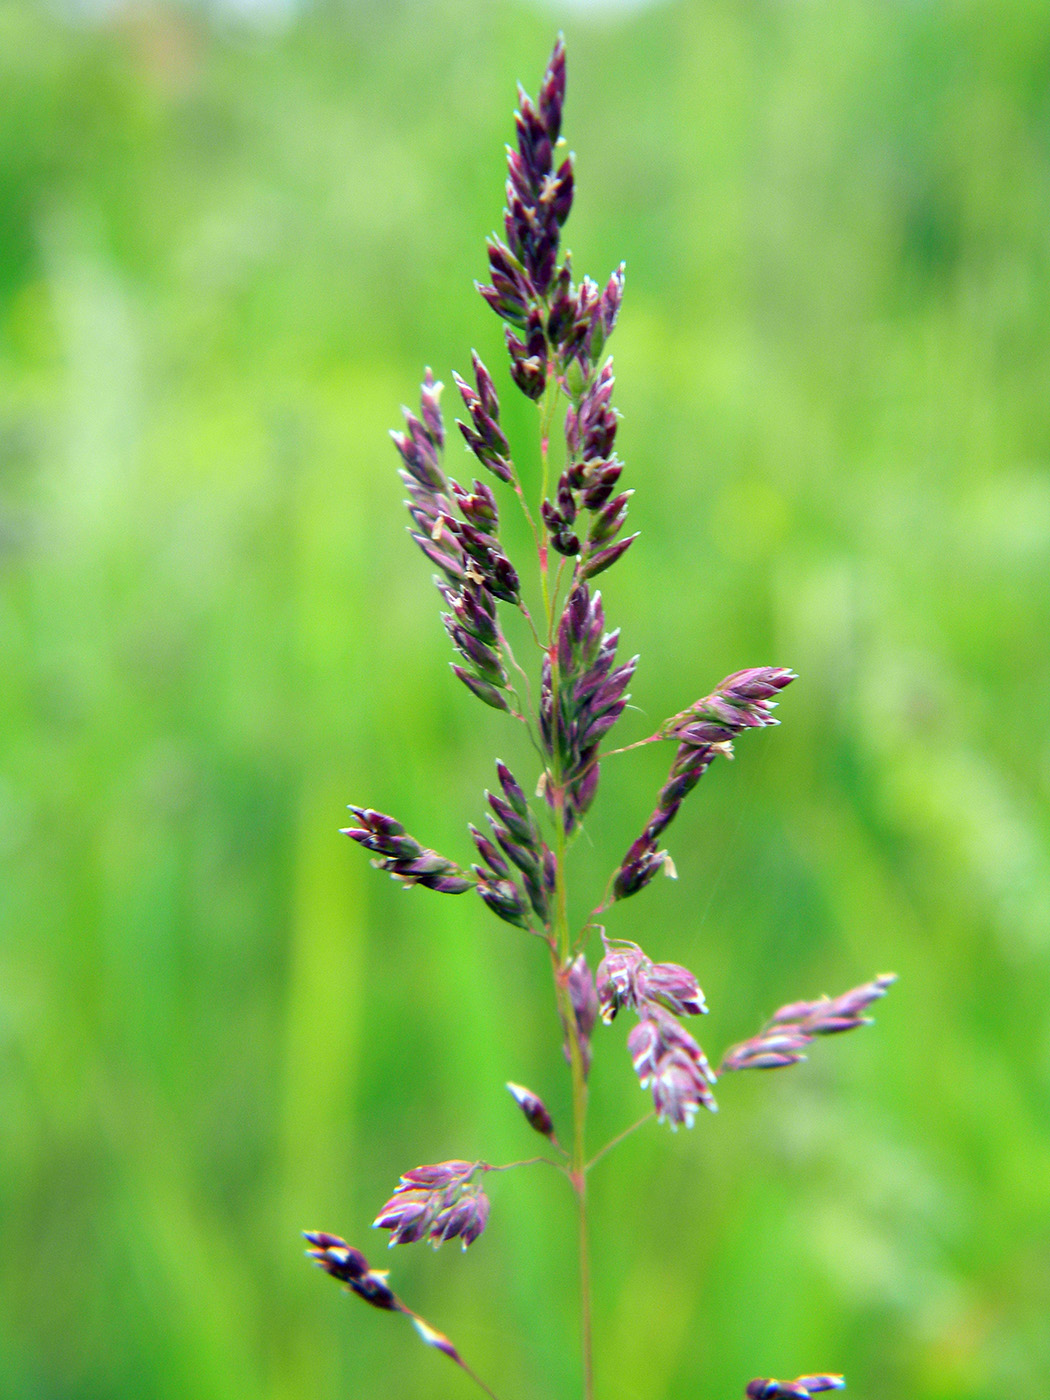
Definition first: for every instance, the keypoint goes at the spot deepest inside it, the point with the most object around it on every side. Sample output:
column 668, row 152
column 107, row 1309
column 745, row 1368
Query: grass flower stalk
column 556, row 331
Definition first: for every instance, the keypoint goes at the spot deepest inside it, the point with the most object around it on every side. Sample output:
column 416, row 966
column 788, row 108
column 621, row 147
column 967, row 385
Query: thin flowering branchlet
column 784, row 1037
column 349, row 1267
column 556, row 332
column 403, row 856
column 703, row 731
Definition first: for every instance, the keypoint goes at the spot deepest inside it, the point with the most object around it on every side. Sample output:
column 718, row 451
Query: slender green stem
column 525, row 1162
column 638, row 744
column 440, row 1342
column 532, row 626
column 585, row 1295
column 547, row 406
column 614, row 1142
column 561, row 956
column 528, row 715
column 554, row 595
column 560, row 938
column 525, row 507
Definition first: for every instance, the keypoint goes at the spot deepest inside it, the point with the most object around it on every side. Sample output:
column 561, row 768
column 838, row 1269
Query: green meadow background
column 229, row 242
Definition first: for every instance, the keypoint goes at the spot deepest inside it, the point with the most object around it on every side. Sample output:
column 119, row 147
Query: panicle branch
column 350, row 1268
column 744, row 700
column 517, row 842
column 705, row 730
column 665, row 1056
column 784, row 1037
column 403, row 856
column 458, row 531
column 590, row 696
column 554, row 327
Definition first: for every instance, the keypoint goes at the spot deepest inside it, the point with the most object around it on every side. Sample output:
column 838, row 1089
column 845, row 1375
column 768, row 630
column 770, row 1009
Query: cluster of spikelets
column 440, row 1202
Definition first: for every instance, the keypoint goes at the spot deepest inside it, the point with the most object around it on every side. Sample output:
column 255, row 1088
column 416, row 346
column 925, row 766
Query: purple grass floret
column 583, row 1001
column 350, row 1267
column 589, row 698
column 528, row 356
column 617, row 979
column 483, row 435
column 403, row 856
column 557, row 328
column 439, row 1202
column 504, row 898
column 627, row 978
column 534, row 1109
column 707, row 729
column 783, row 1039
column 801, row 1389
column 669, row 1061
column 672, row 987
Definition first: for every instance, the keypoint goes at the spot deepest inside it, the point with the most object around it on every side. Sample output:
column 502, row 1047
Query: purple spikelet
column 483, row 435
column 707, row 729
column 591, row 696
column 403, row 856
column 438, row 1202
column 801, row 1389
column 534, row 1109
column 350, row 1267
column 785, row 1036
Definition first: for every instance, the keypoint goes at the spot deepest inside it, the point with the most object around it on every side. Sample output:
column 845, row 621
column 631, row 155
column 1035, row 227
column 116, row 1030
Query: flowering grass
column 557, row 331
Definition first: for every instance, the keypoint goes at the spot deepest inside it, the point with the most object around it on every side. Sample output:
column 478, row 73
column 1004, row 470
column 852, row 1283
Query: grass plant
column 557, row 332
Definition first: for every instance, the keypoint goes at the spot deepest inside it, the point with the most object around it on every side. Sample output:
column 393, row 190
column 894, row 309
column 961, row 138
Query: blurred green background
column 229, row 242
